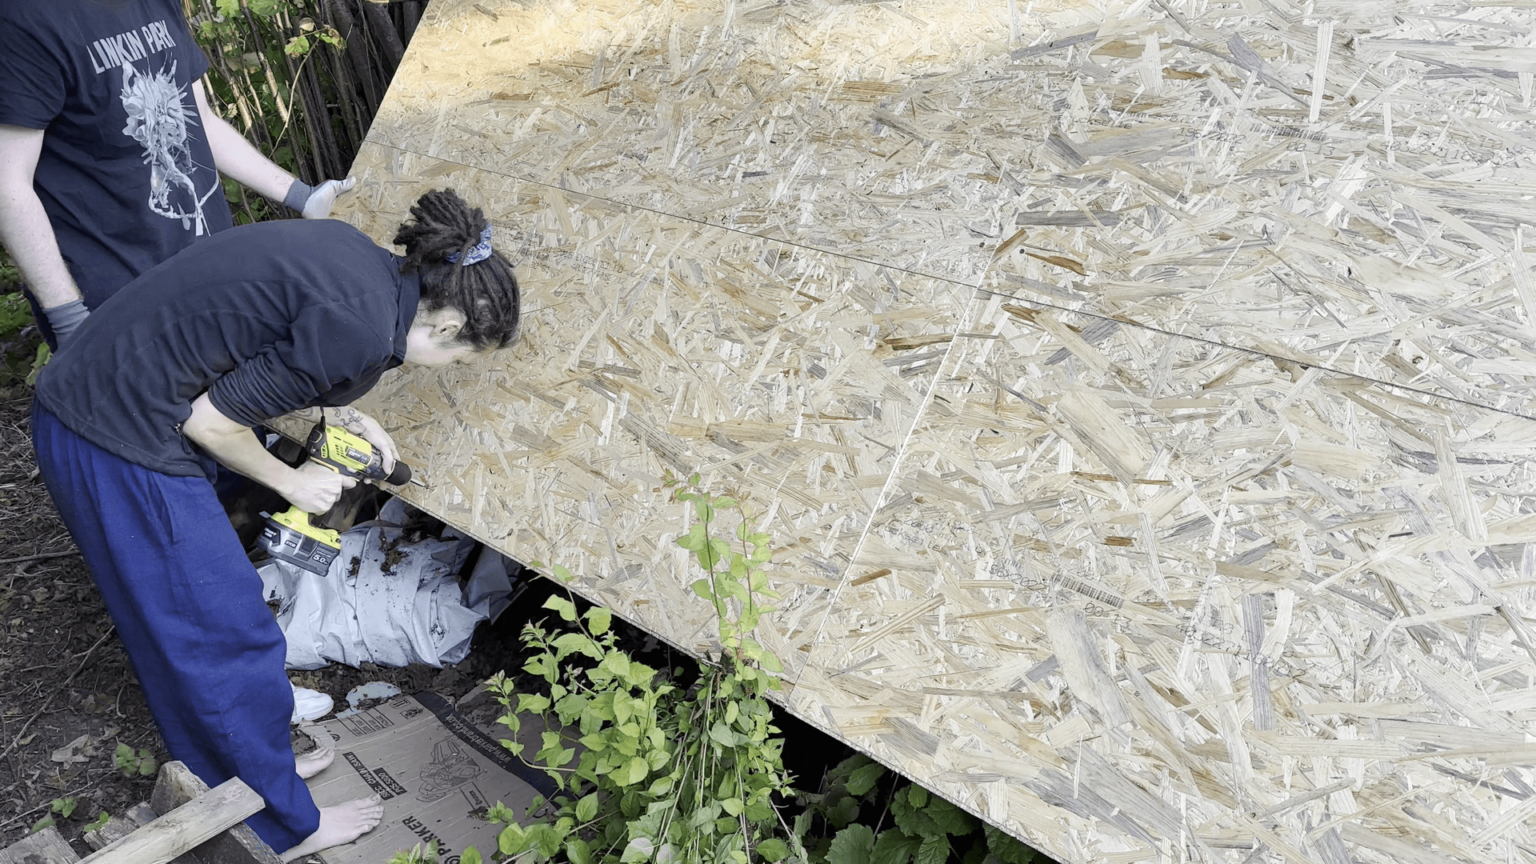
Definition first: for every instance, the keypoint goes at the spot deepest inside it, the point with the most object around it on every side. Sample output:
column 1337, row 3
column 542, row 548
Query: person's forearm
column 237, row 159
column 346, row 417
column 235, row 447
column 27, row 235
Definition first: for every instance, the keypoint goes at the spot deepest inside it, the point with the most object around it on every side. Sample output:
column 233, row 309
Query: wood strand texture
column 1141, row 393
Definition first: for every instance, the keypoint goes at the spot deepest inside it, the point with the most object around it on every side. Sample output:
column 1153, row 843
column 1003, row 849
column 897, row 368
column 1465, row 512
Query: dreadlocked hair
column 441, row 225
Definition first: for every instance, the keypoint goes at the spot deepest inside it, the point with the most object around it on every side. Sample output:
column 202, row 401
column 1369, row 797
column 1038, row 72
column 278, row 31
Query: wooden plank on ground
column 185, row 827
column 44, row 847
column 177, row 785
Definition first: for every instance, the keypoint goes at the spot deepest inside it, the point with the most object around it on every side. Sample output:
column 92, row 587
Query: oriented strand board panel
column 653, row 344
column 1331, row 182
column 892, row 132
column 1345, row 183
column 1146, row 598
column 1141, row 391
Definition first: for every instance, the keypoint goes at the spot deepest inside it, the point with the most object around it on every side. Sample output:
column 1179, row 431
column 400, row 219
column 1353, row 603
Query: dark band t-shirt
column 125, row 173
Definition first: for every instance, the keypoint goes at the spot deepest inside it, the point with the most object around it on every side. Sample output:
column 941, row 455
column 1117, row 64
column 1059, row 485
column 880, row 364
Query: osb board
column 1346, row 183
column 1171, row 169
column 1166, row 198
column 890, row 132
column 1142, row 598
column 653, row 344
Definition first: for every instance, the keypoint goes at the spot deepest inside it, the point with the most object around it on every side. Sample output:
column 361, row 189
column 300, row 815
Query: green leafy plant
column 135, row 763
column 39, row 360
column 18, row 358
column 62, row 807
column 648, row 769
column 418, row 855
column 98, row 823
column 15, row 313
column 842, row 824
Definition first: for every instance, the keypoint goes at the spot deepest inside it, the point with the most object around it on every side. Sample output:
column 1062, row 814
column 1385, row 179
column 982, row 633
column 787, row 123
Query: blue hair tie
column 480, row 252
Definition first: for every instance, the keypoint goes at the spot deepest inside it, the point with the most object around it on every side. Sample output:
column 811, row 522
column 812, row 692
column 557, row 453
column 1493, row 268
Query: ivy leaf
column 917, row 796
column 470, row 855
column 863, row 779
column 586, row 808
column 894, row 847
column 772, row 850
column 935, row 850
column 853, row 845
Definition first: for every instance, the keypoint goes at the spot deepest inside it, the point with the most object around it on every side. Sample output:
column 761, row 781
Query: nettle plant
column 649, row 769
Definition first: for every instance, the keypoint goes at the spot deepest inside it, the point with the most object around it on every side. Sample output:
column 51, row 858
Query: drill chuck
column 400, row 476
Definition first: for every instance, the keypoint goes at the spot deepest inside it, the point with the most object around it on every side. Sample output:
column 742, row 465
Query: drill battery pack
column 290, row 537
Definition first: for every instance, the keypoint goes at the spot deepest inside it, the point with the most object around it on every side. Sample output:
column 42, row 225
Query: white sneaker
column 309, row 704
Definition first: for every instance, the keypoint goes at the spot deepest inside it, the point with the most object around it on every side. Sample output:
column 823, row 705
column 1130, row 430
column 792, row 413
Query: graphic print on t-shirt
column 158, row 119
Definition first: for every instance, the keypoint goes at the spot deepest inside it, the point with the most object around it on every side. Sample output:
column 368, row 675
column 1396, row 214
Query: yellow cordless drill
column 291, row 535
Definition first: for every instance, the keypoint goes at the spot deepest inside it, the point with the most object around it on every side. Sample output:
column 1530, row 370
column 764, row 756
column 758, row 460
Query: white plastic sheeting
column 412, row 611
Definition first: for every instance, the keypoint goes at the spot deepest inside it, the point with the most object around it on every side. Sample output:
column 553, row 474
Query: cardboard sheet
column 436, row 773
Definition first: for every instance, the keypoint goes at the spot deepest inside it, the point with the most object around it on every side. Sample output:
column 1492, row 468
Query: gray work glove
column 315, row 202
column 65, row 320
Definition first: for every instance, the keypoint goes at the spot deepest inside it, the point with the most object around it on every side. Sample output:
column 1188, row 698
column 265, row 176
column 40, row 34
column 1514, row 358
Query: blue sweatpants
column 189, row 610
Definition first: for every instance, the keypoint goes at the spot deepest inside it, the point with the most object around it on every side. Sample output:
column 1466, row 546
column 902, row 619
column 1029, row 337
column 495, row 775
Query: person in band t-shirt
column 109, row 153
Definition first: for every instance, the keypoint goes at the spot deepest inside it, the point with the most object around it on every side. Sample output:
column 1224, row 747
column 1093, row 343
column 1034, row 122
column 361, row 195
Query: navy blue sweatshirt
column 267, row 318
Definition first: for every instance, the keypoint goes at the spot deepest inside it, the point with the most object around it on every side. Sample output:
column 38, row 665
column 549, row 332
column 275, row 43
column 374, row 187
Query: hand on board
column 324, row 197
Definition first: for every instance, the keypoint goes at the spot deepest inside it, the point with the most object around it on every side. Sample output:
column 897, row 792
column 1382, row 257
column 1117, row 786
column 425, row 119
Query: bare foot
column 340, row 824
column 317, row 760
